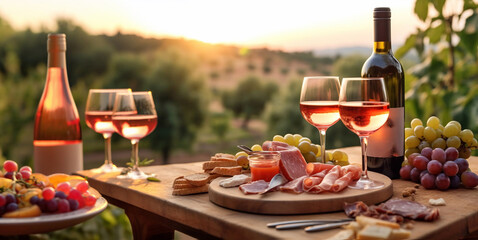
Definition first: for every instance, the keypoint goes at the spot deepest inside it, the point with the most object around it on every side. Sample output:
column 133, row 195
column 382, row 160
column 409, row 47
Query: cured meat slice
column 330, row 178
column 356, row 170
column 360, row 208
column 314, row 180
column 313, row 168
column 342, row 182
column 292, row 164
column 254, row 187
column 409, row 209
column 294, row 186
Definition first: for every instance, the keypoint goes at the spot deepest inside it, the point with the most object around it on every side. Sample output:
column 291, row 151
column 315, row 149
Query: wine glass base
column 366, row 184
column 136, row 174
column 109, row 167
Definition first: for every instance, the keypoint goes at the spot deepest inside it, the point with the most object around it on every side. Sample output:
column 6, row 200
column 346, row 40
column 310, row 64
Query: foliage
column 249, row 98
column 446, row 78
column 349, row 66
column 220, row 124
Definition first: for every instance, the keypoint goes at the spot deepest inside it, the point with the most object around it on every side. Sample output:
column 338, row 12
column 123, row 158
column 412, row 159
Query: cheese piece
column 346, row 234
column 234, row 181
column 437, row 202
column 374, row 232
column 398, row 234
column 364, row 221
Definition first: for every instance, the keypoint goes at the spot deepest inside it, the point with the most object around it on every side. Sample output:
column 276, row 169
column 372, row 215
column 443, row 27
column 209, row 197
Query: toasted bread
column 213, row 164
column 194, row 190
column 224, row 155
column 197, row 179
column 227, row 171
column 179, row 179
column 183, row 185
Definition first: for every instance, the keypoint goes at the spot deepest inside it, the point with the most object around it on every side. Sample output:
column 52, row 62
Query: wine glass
column 319, row 104
column 364, row 108
column 134, row 117
column 98, row 112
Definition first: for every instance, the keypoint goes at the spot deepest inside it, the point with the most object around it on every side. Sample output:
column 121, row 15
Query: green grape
column 315, row 149
column 241, row 153
column 328, row 156
column 309, row 157
column 256, row 147
column 451, row 130
column 453, row 141
column 418, row 131
column 430, row 134
column 474, row 143
column 439, row 143
column 412, row 142
column 457, row 124
column 441, row 127
column 305, row 139
column 409, row 151
column 416, row 122
column 343, row 163
column 305, row 147
column 408, row 132
column 278, row 138
column 439, row 132
column 466, row 135
column 464, row 153
column 433, row 122
column 423, row 144
column 289, row 139
column 339, row 156
column 405, row 162
column 297, row 138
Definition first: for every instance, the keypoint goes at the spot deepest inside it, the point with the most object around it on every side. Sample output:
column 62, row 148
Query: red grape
column 428, row 181
column 469, row 179
column 90, row 200
column 11, row 207
column 26, row 168
column 63, row 205
column 10, row 166
column 73, row 204
column 34, row 200
column 450, row 168
column 405, row 172
column 434, row 167
column 25, row 174
column 60, row 195
column 427, row 152
column 411, row 158
column 442, row 181
column 462, row 165
column 465, row 152
column 455, row 182
column 415, row 175
column 439, row 154
column 9, row 198
column 451, row 154
column 76, row 195
column 8, row 175
column 48, row 193
column 52, row 205
column 423, row 173
column 420, row 162
column 64, row 187
column 3, row 201
column 82, row 186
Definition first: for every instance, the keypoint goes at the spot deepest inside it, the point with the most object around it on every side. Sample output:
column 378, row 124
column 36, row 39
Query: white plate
column 50, row 222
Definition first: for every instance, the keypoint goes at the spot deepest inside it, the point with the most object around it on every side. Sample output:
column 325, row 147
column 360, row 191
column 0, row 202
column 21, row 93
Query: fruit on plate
column 27, row 194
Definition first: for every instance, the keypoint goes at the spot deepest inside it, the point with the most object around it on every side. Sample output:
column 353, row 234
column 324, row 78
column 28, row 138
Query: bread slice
column 227, row 171
column 188, row 191
column 224, row 155
column 213, row 164
column 179, row 179
column 213, row 176
column 197, row 179
column 183, row 185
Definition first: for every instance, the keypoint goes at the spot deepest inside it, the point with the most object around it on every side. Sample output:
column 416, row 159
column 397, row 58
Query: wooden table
column 155, row 213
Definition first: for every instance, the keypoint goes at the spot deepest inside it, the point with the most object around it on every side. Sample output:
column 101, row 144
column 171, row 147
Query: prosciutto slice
column 314, row 180
column 354, row 169
column 342, row 182
column 292, row 164
column 330, row 178
column 254, row 187
column 294, row 186
column 313, row 168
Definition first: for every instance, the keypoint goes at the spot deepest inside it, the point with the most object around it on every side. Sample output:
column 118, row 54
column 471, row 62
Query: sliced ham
column 354, row 169
column 254, row 187
column 292, row 163
column 313, row 168
column 330, row 178
column 314, row 180
column 341, row 183
column 294, row 186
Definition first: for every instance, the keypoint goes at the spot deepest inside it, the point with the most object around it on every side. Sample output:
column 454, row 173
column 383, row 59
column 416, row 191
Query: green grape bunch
column 435, row 135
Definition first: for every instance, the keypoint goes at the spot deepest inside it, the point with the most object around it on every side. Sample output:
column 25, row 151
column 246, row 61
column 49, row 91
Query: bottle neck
column 382, row 35
column 56, row 59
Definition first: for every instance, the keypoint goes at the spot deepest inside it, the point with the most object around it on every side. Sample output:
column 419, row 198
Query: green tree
column 220, row 124
column 349, row 66
column 181, row 100
column 249, row 98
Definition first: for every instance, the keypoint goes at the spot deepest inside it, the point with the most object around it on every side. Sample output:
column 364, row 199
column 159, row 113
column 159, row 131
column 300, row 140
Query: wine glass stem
column 108, row 150
column 364, row 143
column 322, row 145
column 134, row 154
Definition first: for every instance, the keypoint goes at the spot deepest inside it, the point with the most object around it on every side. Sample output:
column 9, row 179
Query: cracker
column 188, row 191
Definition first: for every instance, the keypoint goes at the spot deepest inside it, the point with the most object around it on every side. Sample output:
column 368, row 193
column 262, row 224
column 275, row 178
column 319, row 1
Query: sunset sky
column 286, row 25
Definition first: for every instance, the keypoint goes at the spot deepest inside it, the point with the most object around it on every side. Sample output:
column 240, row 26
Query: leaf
column 421, row 9
column 153, row 179
column 438, row 4
column 405, row 48
column 435, row 34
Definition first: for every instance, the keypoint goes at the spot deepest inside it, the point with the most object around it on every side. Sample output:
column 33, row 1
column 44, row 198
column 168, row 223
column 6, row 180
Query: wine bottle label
column 60, row 158
column 388, row 140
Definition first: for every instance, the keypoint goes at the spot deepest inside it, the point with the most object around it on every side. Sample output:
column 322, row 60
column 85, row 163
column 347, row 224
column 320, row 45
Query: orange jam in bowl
column 264, row 165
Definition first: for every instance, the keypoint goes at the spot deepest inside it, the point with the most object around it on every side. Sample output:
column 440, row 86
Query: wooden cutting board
column 289, row 203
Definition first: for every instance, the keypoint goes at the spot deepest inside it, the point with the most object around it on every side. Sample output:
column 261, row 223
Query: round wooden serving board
column 289, row 203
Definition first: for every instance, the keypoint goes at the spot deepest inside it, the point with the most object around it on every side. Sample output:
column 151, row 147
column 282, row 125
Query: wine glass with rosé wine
column 364, row 108
column 98, row 112
column 134, row 117
column 319, row 104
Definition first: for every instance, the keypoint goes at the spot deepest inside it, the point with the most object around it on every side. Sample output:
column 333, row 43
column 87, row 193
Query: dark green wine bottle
column 386, row 146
